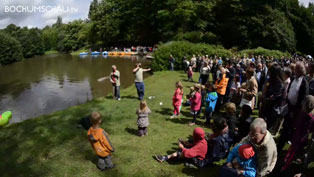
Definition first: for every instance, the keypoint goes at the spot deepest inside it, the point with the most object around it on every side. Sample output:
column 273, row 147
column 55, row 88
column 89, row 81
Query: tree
column 50, row 38
column 11, row 49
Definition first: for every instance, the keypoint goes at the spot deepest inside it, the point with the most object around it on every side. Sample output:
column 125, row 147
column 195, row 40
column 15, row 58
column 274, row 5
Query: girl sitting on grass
column 177, row 99
column 142, row 120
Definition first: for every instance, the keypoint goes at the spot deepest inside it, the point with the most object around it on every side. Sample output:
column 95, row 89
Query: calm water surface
column 44, row 84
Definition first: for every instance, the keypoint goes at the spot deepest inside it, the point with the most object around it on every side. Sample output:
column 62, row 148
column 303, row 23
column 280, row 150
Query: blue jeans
column 116, row 90
column 140, row 89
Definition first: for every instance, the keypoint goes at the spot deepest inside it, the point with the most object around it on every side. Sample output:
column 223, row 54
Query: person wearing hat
column 242, row 158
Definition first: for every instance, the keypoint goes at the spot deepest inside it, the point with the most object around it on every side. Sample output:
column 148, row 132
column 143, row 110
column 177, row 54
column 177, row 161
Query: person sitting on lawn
column 241, row 160
column 189, row 151
column 245, row 121
column 265, row 146
column 100, row 142
column 230, row 111
column 218, row 144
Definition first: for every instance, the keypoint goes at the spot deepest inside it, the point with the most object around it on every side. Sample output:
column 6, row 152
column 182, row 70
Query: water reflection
column 45, row 84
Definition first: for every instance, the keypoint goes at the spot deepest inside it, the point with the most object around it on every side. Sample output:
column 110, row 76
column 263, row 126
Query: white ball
column 160, row 103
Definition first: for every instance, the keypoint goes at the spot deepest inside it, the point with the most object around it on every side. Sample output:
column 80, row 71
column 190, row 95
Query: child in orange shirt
column 100, row 142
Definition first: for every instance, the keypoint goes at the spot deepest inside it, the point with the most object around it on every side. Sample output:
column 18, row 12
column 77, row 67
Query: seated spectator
column 189, row 151
column 241, row 161
column 230, row 111
column 265, row 146
column 245, row 121
column 218, row 144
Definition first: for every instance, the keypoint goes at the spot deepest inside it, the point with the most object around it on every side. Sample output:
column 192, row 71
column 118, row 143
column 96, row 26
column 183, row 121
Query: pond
column 44, row 84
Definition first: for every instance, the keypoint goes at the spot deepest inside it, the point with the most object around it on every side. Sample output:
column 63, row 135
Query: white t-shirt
column 139, row 75
column 294, row 90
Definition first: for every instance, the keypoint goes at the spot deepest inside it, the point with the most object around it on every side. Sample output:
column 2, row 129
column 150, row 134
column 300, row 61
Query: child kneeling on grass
column 100, row 142
column 142, row 120
column 241, row 161
column 197, row 149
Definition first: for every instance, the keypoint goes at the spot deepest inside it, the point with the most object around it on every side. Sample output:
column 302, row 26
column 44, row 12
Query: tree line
column 238, row 24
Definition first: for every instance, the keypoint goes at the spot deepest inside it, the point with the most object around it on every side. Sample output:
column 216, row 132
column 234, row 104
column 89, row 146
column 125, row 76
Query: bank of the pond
column 51, row 145
column 49, row 52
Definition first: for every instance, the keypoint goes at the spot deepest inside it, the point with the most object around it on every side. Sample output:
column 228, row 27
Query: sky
column 39, row 13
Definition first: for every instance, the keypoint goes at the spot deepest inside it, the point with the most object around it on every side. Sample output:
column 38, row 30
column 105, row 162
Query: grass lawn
column 51, row 145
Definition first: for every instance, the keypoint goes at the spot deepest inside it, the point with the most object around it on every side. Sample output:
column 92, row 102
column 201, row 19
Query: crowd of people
column 280, row 89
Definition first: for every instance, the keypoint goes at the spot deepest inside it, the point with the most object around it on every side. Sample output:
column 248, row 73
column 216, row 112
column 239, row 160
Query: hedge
column 264, row 52
column 179, row 49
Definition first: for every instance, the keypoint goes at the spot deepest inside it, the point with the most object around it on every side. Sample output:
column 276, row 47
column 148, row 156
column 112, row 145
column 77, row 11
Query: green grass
column 51, row 52
column 51, row 145
column 77, row 52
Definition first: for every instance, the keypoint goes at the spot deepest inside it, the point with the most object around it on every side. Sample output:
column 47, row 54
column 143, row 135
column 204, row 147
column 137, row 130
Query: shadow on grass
column 165, row 111
column 131, row 131
column 207, row 171
column 129, row 97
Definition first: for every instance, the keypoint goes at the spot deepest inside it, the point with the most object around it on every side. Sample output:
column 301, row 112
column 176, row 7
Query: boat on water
column 121, row 53
column 84, row 53
column 95, row 53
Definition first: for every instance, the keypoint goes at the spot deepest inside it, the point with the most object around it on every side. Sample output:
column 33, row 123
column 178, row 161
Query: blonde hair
column 143, row 105
column 180, row 86
column 197, row 87
column 95, row 117
column 230, row 108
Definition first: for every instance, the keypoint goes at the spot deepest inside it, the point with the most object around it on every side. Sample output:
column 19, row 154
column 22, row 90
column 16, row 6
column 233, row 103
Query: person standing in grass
column 190, row 73
column 221, row 85
column 100, row 142
column 210, row 101
column 142, row 121
column 139, row 82
column 195, row 102
column 177, row 99
column 115, row 80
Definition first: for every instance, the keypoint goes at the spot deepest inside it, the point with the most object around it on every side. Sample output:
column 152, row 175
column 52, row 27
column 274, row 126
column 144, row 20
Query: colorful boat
column 114, row 53
column 84, row 53
column 105, row 53
column 5, row 117
column 95, row 53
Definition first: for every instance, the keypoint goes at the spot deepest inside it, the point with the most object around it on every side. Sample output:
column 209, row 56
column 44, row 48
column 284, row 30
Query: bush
column 264, row 52
column 179, row 49
column 11, row 49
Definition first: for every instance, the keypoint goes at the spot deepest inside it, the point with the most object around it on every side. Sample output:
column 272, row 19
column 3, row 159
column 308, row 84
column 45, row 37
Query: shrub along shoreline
column 180, row 49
